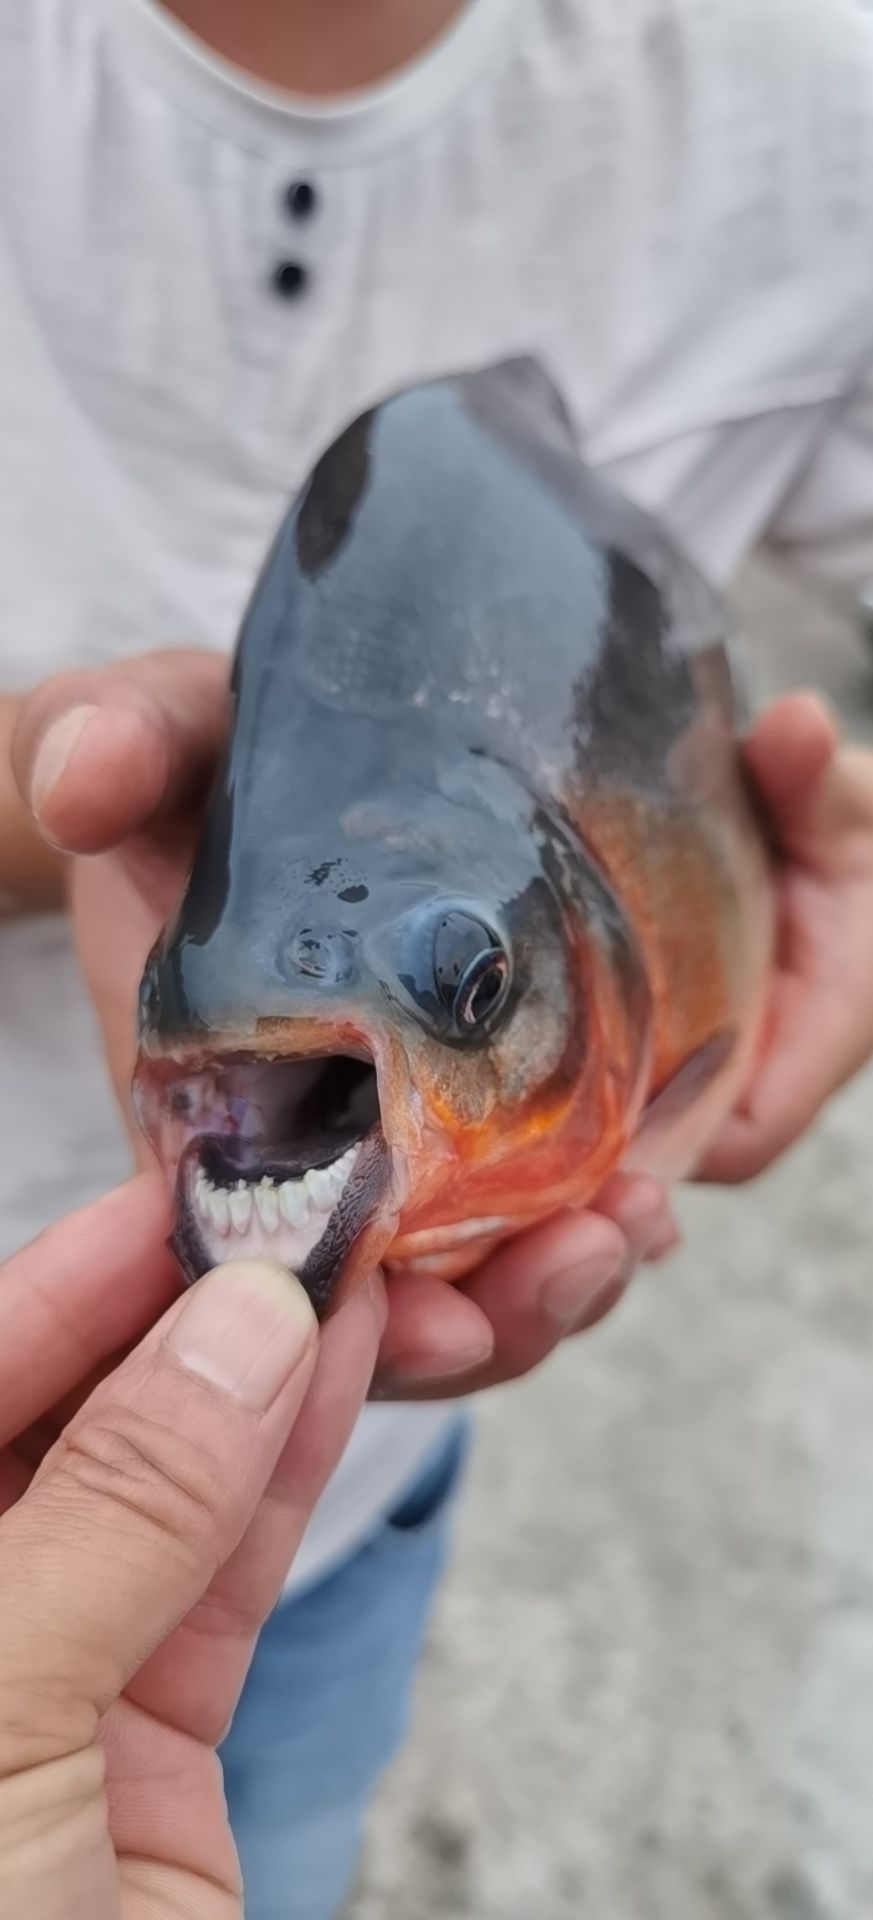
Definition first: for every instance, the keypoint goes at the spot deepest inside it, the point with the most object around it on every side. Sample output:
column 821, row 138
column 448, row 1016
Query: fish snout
column 237, row 978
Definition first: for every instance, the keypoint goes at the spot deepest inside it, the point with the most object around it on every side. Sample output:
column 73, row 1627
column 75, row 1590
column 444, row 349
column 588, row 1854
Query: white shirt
column 669, row 201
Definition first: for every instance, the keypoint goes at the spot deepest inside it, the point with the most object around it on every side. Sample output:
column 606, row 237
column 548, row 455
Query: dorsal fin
column 521, row 387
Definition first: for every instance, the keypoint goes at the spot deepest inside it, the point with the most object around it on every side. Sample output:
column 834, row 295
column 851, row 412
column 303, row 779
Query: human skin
column 113, row 762
column 146, row 1529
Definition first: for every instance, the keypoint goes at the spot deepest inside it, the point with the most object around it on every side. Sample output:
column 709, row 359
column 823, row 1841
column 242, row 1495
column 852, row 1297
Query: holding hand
column 113, row 764
column 146, row 1530
column 818, row 797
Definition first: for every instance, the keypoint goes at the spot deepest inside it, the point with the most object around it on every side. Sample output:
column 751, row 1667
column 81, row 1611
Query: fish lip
column 268, row 1150
column 320, row 1272
column 163, row 1067
column 190, row 1056
column 160, row 1062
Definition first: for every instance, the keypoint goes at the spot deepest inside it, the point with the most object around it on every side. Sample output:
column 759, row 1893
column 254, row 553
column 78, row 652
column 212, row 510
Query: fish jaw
column 280, row 1155
column 329, row 1223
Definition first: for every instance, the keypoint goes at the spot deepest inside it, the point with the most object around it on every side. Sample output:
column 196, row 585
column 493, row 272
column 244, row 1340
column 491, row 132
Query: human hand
column 817, row 799
column 817, row 796
column 146, row 1530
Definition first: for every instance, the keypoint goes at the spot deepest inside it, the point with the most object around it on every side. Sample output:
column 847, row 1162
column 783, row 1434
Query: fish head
column 414, row 1040
column 400, row 1013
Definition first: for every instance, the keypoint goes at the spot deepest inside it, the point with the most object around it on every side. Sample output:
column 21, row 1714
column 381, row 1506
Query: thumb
column 143, row 1498
column 101, row 753
column 788, row 753
column 817, row 794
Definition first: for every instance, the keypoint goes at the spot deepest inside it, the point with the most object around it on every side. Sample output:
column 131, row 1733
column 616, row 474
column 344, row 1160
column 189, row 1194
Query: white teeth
column 267, row 1203
column 240, row 1202
column 219, row 1211
column 320, row 1184
column 326, row 1184
column 342, row 1168
column 294, row 1203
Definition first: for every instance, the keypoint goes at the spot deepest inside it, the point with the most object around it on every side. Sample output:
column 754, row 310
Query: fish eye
column 454, row 966
column 471, row 971
column 482, row 990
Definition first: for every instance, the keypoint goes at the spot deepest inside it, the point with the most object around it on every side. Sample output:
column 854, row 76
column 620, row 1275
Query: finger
column 816, row 1044
column 788, row 750
column 440, row 1339
column 195, row 1677
column 77, row 1294
column 433, row 1332
column 144, row 1498
column 818, row 796
column 99, row 754
column 640, row 1209
column 15, row 1476
column 533, row 1291
column 831, row 829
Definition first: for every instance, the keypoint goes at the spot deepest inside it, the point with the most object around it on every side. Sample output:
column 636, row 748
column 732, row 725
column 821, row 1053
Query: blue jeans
column 325, row 1706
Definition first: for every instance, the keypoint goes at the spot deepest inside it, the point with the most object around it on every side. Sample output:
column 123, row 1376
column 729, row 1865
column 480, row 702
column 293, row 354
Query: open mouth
column 277, row 1159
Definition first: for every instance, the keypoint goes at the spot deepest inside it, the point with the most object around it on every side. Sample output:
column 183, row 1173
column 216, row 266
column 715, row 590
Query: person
column 144, row 1534
column 147, row 1521
column 225, row 230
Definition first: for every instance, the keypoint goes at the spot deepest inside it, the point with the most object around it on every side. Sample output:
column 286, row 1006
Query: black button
column 301, row 199
column 289, row 278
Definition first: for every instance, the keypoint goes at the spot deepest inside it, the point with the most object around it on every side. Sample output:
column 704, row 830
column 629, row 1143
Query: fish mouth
column 279, row 1159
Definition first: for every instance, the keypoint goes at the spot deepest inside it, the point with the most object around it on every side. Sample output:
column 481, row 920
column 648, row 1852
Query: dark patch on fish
column 479, row 883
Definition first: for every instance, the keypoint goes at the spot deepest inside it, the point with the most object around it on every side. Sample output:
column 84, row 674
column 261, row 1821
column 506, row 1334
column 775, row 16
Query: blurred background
column 649, row 1690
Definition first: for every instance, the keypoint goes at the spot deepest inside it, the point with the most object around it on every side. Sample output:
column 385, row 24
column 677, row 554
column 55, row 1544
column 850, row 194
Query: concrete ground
column 649, row 1689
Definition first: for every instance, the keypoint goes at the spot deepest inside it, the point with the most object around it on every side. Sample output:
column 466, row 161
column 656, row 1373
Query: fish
column 481, row 910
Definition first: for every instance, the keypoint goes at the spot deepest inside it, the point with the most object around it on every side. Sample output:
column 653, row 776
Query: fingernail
column 570, row 1293
column 636, row 1207
column 602, row 1301
column 55, row 752
column 641, row 1211
column 426, row 1370
column 245, row 1328
column 646, row 1227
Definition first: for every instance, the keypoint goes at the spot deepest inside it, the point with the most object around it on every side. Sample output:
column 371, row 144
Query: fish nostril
column 330, row 957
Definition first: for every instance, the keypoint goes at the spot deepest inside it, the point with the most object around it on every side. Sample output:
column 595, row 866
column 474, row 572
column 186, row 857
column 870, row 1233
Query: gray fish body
column 471, row 681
